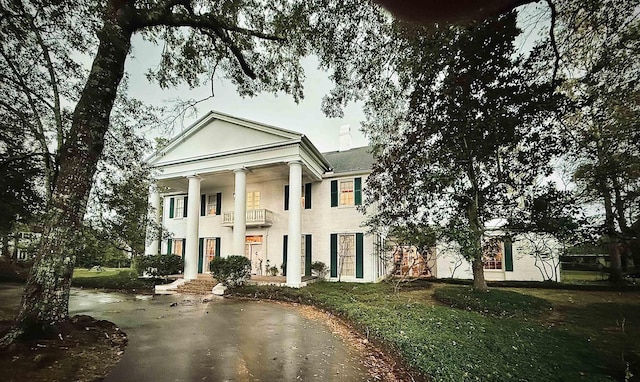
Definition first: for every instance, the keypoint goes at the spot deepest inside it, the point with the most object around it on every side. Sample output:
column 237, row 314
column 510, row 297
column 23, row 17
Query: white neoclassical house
column 229, row 186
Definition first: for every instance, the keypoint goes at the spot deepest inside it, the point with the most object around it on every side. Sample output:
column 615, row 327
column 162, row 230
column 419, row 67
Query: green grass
column 495, row 302
column 117, row 279
column 580, row 277
column 453, row 344
column 83, row 272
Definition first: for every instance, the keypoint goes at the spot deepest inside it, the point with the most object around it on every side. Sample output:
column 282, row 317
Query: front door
column 253, row 251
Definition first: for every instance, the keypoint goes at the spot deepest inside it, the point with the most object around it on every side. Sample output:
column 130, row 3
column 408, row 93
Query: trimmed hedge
column 159, row 265
column 232, row 271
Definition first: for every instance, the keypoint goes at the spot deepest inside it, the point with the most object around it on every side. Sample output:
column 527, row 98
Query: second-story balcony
column 254, row 218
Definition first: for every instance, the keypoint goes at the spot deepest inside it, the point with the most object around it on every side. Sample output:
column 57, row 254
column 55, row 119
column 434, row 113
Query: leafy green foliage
column 465, row 135
column 232, row 271
column 600, row 52
column 99, row 250
column 318, row 268
column 449, row 344
column 494, row 302
column 159, row 265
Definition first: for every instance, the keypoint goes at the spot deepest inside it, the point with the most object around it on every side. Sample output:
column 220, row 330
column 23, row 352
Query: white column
column 152, row 239
column 294, row 244
column 193, row 223
column 240, row 212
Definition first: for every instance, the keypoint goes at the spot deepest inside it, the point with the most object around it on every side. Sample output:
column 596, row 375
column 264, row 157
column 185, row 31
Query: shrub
column 159, row 265
column 319, row 269
column 231, row 271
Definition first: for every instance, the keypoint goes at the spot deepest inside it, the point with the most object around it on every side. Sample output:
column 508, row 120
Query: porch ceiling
column 274, row 172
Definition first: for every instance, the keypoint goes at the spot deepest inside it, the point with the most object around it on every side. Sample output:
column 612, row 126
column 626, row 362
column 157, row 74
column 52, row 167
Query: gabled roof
column 357, row 159
column 261, row 134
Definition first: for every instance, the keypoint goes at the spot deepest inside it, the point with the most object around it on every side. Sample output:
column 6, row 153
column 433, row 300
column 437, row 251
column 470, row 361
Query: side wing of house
column 522, row 257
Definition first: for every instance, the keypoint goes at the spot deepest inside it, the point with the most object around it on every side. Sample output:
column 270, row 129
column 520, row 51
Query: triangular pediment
column 218, row 134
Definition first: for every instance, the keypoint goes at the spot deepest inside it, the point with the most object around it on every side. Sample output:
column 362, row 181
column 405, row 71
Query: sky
column 281, row 111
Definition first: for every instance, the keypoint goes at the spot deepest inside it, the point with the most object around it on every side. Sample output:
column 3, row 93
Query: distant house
column 21, row 245
column 229, row 186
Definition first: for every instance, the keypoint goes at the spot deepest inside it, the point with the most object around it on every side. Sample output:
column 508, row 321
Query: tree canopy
column 470, row 137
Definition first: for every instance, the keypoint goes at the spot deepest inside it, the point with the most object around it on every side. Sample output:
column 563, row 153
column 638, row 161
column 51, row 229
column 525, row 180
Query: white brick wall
column 320, row 221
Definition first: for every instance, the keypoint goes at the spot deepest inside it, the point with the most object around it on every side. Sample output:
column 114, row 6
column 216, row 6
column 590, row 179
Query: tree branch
column 554, row 43
column 205, row 23
column 234, row 49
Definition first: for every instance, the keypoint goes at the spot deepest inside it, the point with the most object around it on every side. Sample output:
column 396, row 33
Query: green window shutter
column 357, row 184
column 169, row 244
column 184, row 207
column 285, row 242
column 307, row 196
column 508, row 254
column 218, row 203
column 171, row 207
column 286, row 198
column 359, row 255
column 307, row 255
column 333, row 265
column 203, row 205
column 334, row 194
column 184, row 249
column 200, row 254
column 217, row 254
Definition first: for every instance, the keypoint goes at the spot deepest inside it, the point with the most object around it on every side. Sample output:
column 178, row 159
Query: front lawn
column 501, row 336
column 123, row 279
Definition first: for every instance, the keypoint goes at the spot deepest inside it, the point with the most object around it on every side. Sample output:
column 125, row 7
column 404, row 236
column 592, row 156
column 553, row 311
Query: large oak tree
column 255, row 44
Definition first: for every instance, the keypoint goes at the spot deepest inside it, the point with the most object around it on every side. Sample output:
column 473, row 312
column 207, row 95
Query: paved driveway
column 221, row 340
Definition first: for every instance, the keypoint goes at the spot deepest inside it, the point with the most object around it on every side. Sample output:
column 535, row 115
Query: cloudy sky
column 280, row 111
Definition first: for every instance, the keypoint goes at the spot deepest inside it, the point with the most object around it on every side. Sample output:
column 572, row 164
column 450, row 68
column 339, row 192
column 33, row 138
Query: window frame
column 351, row 256
column 352, row 193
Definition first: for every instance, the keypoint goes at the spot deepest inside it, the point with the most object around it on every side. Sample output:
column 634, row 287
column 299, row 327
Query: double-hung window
column 253, row 200
column 346, row 192
column 179, row 211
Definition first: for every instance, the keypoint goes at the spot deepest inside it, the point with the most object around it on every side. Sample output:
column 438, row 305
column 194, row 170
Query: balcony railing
column 254, row 218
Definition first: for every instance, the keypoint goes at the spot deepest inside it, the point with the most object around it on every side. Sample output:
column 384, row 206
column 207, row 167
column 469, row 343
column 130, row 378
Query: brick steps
column 199, row 286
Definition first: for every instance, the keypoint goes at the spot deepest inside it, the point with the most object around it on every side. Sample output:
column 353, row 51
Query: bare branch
column 552, row 37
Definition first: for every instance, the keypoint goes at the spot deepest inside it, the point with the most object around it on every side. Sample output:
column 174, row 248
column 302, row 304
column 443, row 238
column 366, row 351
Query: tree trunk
column 16, row 243
column 46, row 297
column 479, row 283
column 611, row 235
column 5, row 247
column 473, row 208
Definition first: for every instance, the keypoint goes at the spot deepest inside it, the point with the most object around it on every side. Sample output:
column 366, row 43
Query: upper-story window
column 179, row 209
column 212, row 204
column 305, row 200
column 253, row 200
column 346, row 192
